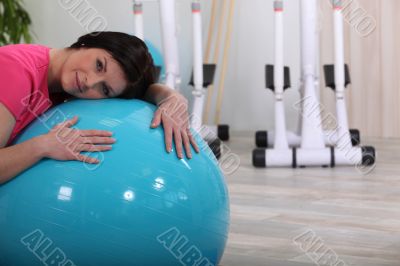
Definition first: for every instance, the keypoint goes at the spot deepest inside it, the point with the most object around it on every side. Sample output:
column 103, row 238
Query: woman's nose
column 92, row 80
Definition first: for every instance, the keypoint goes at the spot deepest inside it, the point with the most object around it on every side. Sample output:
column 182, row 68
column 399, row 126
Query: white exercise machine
column 312, row 147
column 169, row 38
column 203, row 74
column 265, row 139
column 202, row 77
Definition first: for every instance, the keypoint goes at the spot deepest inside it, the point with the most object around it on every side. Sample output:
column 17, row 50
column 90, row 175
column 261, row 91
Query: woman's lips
column 78, row 84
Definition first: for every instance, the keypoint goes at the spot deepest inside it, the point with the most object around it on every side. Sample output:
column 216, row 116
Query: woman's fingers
column 156, row 118
column 173, row 115
column 178, row 142
column 92, row 148
column 186, row 144
column 168, row 135
column 86, row 159
column 71, row 122
column 97, row 140
column 67, row 135
column 67, row 123
column 192, row 141
column 182, row 138
column 67, row 143
column 99, row 133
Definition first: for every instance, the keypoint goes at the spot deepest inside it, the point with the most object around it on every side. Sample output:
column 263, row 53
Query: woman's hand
column 66, row 143
column 173, row 114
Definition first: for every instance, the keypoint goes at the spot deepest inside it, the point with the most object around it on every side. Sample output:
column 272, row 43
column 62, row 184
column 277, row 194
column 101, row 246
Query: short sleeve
column 15, row 86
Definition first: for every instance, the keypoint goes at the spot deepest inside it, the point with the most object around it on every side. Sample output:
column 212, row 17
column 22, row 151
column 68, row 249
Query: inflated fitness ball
column 139, row 206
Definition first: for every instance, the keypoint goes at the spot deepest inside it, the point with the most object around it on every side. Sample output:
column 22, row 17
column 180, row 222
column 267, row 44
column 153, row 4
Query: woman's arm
column 61, row 143
column 158, row 92
column 17, row 158
column 14, row 159
column 173, row 114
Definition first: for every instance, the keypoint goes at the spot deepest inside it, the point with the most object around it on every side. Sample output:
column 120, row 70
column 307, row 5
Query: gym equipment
column 214, row 58
column 169, row 38
column 139, row 206
column 313, row 150
column 170, row 43
column 202, row 77
column 265, row 139
column 138, row 17
column 224, row 67
column 139, row 32
column 220, row 130
column 211, row 27
column 172, row 73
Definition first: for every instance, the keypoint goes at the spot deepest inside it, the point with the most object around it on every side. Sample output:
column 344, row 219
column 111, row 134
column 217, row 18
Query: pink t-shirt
column 23, row 82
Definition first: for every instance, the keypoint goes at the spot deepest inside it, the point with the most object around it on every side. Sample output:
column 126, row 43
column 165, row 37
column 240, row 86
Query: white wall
column 247, row 105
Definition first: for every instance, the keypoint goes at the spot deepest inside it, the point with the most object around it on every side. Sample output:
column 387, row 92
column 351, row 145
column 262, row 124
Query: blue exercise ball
column 157, row 57
column 139, row 206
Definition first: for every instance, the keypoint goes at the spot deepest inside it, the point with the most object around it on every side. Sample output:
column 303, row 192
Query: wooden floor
column 314, row 216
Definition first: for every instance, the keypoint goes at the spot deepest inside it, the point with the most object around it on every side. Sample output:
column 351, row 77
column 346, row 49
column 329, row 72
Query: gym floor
column 314, row 216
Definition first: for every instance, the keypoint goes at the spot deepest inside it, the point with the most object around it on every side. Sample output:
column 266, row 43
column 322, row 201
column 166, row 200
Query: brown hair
column 132, row 55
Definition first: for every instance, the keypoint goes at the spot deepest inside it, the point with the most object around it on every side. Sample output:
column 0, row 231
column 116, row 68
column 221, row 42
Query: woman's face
column 92, row 73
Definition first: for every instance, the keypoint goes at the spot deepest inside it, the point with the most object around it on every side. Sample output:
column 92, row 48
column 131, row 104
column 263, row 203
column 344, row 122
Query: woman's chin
column 70, row 93
column 73, row 92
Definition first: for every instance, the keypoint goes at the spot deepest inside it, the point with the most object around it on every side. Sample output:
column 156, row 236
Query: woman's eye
column 106, row 91
column 99, row 65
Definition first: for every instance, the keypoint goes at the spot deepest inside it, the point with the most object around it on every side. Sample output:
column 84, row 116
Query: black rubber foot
column 223, row 132
column 355, row 137
column 259, row 158
column 215, row 146
column 368, row 155
column 262, row 139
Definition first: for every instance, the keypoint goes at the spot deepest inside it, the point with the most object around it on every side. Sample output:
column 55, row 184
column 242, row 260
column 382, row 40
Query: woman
column 99, row 65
